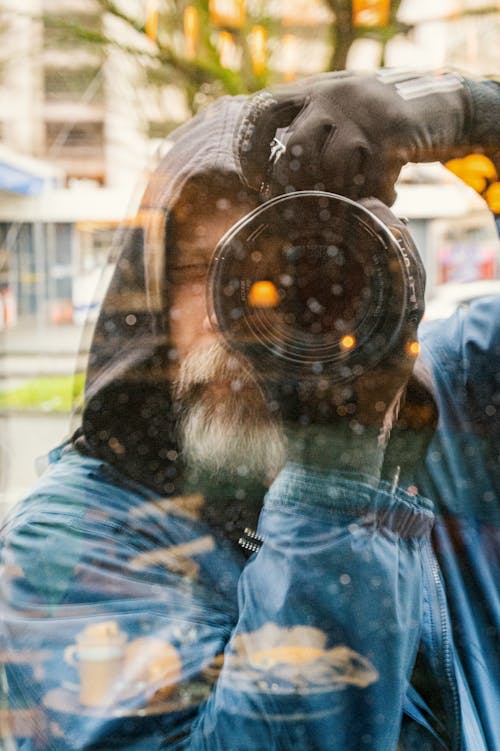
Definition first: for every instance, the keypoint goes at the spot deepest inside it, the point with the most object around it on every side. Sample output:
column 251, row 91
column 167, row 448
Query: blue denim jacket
column 320, row 628
column 313, row 643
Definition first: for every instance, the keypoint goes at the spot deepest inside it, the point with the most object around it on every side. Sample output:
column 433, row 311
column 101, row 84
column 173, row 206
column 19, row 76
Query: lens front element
column 307, row 283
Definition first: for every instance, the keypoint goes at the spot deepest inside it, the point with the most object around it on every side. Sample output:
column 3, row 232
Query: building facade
column 87, row 112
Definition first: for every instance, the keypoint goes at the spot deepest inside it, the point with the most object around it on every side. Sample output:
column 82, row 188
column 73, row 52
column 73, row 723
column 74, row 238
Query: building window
column 76, row 137
column 72, row 84
column 61, row 28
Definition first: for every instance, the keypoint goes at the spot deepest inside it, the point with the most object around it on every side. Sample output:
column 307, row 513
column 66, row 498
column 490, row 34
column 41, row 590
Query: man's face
column 197, row 232
column 225, row 422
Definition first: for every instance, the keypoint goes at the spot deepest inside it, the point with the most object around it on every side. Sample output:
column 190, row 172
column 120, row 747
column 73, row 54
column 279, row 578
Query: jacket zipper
column 445, row 652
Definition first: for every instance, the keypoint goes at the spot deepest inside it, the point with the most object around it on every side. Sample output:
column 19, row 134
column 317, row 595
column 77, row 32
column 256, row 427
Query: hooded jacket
column 118, row 559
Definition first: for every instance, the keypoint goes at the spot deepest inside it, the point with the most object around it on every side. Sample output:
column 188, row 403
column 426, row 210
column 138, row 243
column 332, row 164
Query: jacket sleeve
column 112, row 602
column 328, row 626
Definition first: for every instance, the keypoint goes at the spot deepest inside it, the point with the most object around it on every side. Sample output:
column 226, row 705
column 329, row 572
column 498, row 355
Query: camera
column 313, row 283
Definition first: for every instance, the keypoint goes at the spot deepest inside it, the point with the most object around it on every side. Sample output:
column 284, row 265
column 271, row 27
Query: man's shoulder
column 75, row 488
column 462, row 354
column 86, row 531
column 465, row 346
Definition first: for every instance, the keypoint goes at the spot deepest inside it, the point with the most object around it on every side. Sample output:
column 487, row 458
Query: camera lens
column 307, row 283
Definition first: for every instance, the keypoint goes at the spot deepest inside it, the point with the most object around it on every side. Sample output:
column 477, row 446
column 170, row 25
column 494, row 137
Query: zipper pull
column 250, row 540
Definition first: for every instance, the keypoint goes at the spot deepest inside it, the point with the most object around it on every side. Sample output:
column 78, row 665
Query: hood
column 128, row 416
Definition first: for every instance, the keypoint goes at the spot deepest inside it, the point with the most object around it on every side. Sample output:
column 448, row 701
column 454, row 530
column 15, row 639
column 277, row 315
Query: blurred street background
column 90, row 91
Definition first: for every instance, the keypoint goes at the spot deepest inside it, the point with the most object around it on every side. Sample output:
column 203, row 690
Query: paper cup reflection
column 99, row 657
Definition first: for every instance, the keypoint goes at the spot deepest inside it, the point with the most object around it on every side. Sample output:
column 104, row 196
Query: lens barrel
column 312, row 283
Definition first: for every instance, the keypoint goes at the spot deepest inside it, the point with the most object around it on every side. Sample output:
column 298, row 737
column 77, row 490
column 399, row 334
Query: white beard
column 226, row 425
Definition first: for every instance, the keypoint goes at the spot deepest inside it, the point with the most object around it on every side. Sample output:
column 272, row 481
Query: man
column 123, row 579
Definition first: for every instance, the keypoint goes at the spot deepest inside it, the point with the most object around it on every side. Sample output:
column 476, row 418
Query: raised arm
column 351, row 133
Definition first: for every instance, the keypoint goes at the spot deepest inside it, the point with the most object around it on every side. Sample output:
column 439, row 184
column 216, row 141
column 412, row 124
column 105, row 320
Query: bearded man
column 152, row 598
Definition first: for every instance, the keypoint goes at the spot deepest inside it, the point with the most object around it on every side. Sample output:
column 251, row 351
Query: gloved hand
column 351, row 133
column 348, row 427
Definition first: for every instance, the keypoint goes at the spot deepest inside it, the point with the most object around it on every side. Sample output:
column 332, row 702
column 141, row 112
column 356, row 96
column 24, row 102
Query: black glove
column 351, row 134
column 347, row 429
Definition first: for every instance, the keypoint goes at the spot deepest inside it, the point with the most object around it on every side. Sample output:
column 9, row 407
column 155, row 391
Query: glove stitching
column 255, row 108
column 244, row 145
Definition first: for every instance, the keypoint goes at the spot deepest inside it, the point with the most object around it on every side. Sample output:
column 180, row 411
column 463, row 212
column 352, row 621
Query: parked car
column 450, row 296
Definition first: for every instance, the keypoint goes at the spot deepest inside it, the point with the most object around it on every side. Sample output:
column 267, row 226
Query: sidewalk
column 41, row 338
column 40, row 350
column 27, row 352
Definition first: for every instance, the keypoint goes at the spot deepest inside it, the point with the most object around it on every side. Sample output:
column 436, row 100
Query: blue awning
column 17, row 180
